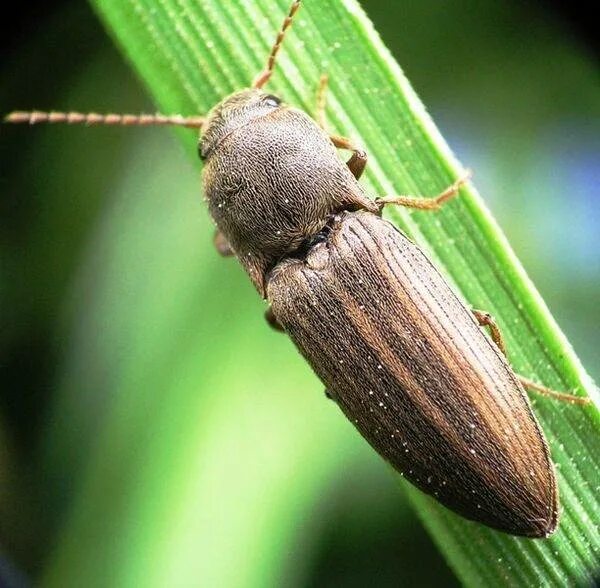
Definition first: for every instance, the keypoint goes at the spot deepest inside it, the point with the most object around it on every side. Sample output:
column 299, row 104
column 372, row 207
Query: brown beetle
column 398, row 351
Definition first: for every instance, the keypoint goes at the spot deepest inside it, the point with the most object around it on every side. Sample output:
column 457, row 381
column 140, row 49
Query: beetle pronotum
column 398, row 351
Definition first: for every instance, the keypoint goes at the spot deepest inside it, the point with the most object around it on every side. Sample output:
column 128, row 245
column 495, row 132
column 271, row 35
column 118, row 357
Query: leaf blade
column 367, row 91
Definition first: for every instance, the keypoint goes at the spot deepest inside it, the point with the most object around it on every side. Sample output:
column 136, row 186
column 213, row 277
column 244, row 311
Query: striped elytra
column 408, row 364
column 401, row 355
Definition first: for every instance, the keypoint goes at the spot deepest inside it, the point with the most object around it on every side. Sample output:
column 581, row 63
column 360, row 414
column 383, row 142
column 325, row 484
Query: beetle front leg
column 222, row 244
column 322, row 102
column 357, row 162
column 485, row 319
column 272, row 320
column 425, row 203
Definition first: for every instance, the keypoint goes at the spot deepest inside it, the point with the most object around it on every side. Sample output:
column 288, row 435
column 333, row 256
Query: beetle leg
column 322, row 101
column 222, row 244
column 426, row 203
column 357, row 162
column 485, row 319
column 272, row 320
column 562, row 396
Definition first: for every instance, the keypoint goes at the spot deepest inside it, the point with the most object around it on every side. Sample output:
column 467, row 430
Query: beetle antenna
column 263, row 77
column 92, row 118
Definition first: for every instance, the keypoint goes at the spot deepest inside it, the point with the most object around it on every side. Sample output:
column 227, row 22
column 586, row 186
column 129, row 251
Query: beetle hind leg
column 544, row 391
column 485, row 319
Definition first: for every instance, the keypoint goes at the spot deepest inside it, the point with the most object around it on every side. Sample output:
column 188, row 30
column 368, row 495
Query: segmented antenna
column 263, row 77
column 92, row 118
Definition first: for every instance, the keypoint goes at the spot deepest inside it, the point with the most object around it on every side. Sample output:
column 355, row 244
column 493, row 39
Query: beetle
column 399, row 352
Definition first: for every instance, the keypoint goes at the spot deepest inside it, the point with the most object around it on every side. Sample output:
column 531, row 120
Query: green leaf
column 192, row 53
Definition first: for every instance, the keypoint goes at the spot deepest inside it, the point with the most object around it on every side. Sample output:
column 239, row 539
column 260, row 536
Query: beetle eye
column 272, row 100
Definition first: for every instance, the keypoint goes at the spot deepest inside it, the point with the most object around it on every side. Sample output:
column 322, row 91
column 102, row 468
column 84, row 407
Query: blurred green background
column 153, row 430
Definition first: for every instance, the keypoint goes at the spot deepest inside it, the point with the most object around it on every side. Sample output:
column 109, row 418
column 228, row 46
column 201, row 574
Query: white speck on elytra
column 472, row 451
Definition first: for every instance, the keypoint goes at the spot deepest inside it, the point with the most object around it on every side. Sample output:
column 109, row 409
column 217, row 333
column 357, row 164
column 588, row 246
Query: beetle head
column 234, row 112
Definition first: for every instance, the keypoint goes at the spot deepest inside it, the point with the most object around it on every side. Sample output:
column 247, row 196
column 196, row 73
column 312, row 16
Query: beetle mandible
column 403, row 357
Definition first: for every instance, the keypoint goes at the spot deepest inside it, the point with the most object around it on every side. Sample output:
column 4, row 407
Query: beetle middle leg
column 222, row 245
column 357, row 162
column 485, row 319
column 425, row 203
